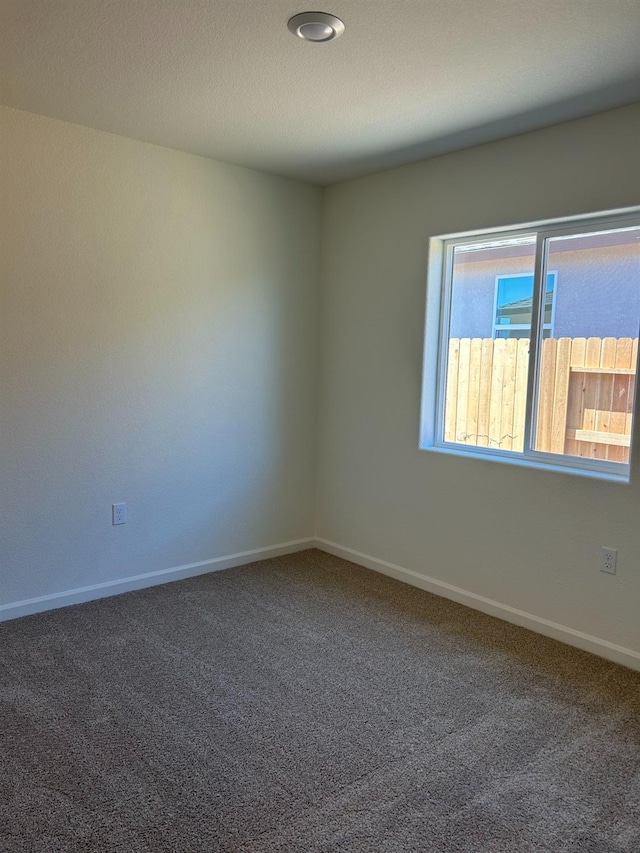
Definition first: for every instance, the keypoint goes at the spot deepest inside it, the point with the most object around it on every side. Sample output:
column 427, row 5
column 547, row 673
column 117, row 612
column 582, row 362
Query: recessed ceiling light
column 316, row 26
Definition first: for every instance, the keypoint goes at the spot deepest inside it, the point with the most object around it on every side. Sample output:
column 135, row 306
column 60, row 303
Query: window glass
column 586, row 384
column 514, row 300
column 486, row 380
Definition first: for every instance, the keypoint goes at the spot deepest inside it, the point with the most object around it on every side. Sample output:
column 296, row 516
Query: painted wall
column 158, row 346
column 524, row 538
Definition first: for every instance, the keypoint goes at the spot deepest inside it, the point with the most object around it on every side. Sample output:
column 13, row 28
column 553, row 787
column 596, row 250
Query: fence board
column 634, row 363
column 520, row 395
column 575, row 404
column 484, row 395
column 463, row 390
column 451, row 390
column 622, row 392
column 475, row 356
column 545, row 395
column 560, row 395
column 495, row 403
column 508, row 393
column 591, row 395
column 604, row 403
column 610, row 439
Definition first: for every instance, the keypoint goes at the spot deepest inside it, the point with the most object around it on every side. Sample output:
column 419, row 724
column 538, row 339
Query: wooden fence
column 585, row 397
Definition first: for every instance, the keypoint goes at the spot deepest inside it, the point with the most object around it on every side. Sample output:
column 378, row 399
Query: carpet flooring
column 306, row 704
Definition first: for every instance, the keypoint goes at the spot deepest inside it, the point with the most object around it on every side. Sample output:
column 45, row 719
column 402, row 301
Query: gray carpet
column 306, row 704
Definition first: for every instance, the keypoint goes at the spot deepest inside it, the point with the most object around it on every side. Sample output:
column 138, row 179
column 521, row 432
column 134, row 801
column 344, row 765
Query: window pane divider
column 443, row 348
column 535, row 342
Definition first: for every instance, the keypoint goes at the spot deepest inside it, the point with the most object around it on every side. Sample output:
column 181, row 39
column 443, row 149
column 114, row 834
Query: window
column 514, row 301
column 531, row 343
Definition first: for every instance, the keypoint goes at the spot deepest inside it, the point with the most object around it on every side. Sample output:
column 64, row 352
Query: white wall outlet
column 118, row 513
column 609, row 560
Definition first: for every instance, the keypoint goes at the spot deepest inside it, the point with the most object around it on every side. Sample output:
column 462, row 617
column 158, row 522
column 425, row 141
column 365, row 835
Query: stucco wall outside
column 595, row 296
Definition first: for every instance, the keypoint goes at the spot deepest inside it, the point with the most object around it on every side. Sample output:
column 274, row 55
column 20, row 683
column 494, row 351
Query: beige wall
column 526, row 539
column 158, row 346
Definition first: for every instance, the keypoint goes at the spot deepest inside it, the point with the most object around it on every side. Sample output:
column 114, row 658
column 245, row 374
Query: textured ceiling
column 408, row 79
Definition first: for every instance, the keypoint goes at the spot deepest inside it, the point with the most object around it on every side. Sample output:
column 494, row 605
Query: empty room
column 319, row 464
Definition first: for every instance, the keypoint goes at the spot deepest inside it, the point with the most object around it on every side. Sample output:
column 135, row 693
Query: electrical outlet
column 118, row 513
column 609, row 559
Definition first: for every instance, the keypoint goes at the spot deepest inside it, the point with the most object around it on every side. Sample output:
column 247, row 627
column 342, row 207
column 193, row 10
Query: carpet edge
column 554, row 630
column 52, row 601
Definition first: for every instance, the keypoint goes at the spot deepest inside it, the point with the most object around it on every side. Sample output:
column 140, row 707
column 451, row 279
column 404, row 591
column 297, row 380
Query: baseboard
column 586, row 642
column 602, row 648
column 101, row 590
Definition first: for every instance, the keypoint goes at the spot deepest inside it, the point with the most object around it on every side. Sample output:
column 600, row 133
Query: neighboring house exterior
column 584, row 298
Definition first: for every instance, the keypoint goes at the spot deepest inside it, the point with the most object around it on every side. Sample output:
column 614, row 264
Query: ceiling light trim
column 316, row 27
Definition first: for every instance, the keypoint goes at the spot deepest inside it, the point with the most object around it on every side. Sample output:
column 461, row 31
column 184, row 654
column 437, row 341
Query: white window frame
column 437, row 320
column 497, row 327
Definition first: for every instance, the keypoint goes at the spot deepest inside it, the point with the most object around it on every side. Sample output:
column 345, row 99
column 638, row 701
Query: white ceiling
column 408, row 79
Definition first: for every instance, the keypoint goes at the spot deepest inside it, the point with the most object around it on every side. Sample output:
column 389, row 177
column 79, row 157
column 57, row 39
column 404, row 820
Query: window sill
column 523, row 462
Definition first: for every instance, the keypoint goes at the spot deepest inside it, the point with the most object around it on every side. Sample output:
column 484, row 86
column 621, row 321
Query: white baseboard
column 29, row 606
column 586, row 642
column 602, row 648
